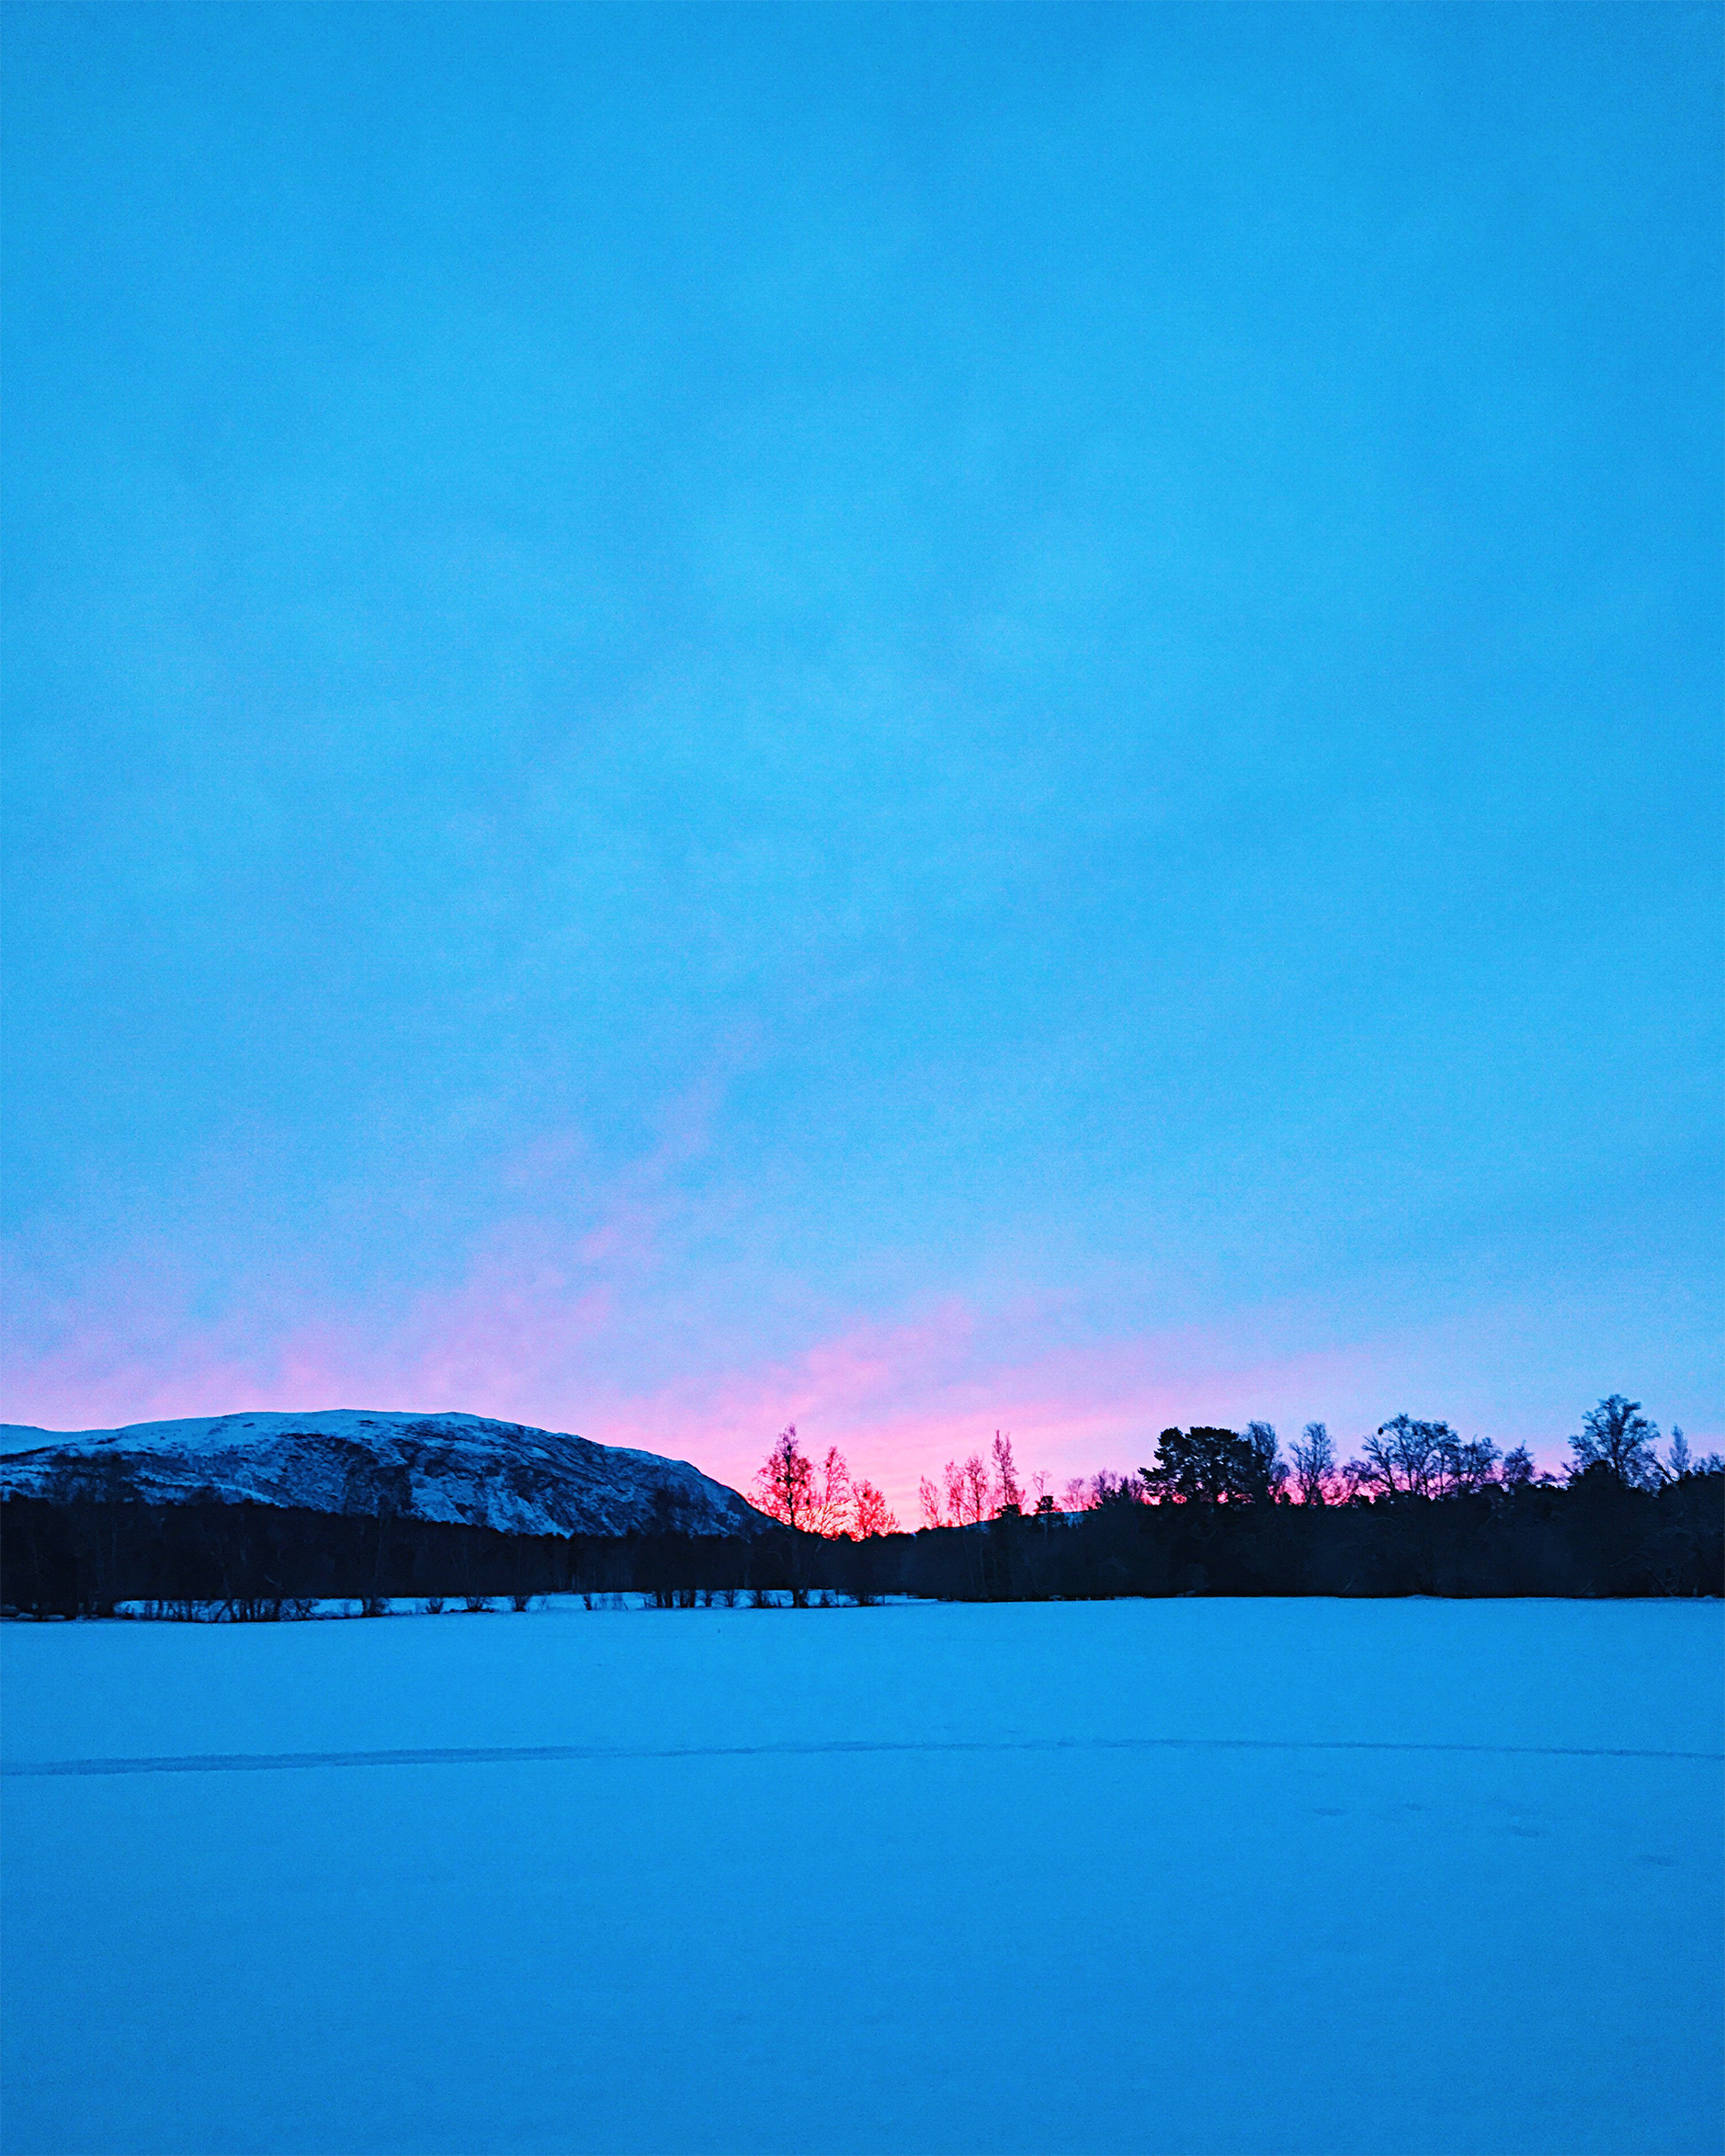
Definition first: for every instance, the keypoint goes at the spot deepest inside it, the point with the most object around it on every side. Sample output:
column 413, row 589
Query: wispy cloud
column 901, row 1398
column 581, row 1308
column 574, row 1329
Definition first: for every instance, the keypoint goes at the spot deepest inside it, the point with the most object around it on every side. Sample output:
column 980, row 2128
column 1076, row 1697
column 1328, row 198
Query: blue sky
column 921, row 717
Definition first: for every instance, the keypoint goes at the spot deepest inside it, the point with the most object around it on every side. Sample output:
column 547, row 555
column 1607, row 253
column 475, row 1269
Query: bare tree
column 784, row 1486
column 928, row 1497
column 1405, row 1457
column 1314, row 1463
column 952, row 1476
column 976, row 1488
column 1107, row 1487
column 1464, row 1468
column 872, row 1515
column 1009, row 1495
column 830, row 1496
column 1617, row 1437
column 1517, row 1470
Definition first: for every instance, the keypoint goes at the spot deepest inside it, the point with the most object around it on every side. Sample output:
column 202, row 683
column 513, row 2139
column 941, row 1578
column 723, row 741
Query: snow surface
column 452, row 1466
column 1195, row 1876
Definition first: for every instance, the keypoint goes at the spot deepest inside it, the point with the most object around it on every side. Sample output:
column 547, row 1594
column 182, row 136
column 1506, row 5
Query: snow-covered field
column 1189, row 1876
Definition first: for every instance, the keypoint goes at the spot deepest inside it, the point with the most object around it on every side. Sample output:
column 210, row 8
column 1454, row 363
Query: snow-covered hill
column 448, row 1467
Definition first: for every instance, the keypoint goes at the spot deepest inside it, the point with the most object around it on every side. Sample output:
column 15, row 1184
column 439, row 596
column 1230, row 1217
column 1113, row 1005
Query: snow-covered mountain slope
column 449, row 1467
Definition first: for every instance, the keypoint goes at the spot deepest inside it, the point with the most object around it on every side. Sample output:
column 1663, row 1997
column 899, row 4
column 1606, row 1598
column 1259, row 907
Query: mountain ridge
column 468, row 1470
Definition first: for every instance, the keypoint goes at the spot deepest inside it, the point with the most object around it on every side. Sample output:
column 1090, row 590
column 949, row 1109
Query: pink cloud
column 128, row 1341
column 516, row 1338
column 586, row 1312
column 901, row 1399
column 563, row 1330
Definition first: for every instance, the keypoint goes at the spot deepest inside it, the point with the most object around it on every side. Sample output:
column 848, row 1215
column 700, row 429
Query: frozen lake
column 1173, row 1877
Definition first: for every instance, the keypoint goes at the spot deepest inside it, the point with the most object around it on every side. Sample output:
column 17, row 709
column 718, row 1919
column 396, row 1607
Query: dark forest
column 1595, row 1536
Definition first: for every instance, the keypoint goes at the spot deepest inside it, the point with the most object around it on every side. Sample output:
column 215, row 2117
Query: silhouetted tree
column 1517, row 1470
column 1314, row 1463
column 1205, row 1466
column 92, row 1487
column 784, row 1486
column 1269, row 1476
column 384, row 1489
column 1405, row 1457
column 1464, row 1468
column 830, row 1497
column 872, row 1515
column 1680, row 1465
column 1008, row 1497
column 1107, row 1490
column 977, row 1490
column 1616, row 1438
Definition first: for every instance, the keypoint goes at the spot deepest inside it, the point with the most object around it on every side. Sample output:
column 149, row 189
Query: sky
column 916, row 719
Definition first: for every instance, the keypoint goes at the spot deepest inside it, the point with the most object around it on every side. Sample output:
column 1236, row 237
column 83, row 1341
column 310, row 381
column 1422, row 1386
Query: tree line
column 88, row 1554
column 1402, row 1458
column 1595, row 1536
column 1217, row 1512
